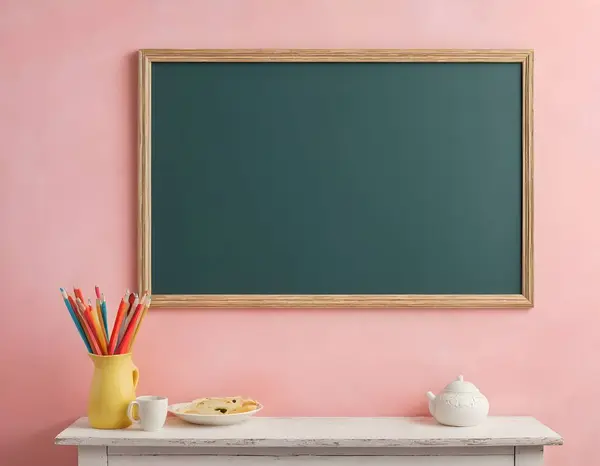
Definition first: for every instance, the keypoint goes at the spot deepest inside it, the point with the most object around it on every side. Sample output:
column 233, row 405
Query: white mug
column 152, row 412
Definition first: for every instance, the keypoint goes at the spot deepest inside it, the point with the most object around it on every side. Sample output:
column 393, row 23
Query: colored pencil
column 94, row 343
column 128, row 335
column 78, row 294
column 89, row 328
column 75, row 319
column 101, row 313
column 98, row 310
column 133, row 301
column 72, row 302
column 104, row 316
column 138, row 307
column 133, row 308
column 118, row 322
column 81, row 319
column 77, row 313
column 130, row 300
column 92, row 319
column 137, row 328
column 99, row 327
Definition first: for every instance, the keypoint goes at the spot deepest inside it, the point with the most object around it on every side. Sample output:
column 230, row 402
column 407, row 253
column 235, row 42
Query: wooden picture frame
column 149, row 56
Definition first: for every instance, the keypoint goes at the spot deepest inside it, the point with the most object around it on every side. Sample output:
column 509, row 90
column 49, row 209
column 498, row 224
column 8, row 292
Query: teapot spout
column 431, row 397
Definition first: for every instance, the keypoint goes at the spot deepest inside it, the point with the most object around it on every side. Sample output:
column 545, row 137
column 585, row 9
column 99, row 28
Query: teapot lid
column 459, row 385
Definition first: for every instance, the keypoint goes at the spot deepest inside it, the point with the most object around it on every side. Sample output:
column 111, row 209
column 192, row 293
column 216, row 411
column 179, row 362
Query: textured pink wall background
column 68, row 125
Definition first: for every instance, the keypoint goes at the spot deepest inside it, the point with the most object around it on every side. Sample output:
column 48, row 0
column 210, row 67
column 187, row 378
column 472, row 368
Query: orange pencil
column 88, row 328
column 98, row 327
column 114, row 336
column 92, row 319
column 126, row 341
column 137, row 328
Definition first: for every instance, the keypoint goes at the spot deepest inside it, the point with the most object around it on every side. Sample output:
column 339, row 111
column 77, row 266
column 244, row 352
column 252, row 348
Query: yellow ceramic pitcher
column 113, row 388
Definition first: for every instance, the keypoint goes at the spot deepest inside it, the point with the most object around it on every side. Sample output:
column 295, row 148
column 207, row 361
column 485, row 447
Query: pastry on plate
column 216, row 405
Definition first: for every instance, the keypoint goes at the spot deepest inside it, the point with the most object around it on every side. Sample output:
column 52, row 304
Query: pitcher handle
column 136, row 376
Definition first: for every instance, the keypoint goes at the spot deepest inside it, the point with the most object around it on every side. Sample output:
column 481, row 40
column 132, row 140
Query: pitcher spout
column 431, row 396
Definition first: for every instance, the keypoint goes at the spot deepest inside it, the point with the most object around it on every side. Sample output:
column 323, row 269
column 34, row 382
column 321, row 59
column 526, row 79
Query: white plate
column 211, row 419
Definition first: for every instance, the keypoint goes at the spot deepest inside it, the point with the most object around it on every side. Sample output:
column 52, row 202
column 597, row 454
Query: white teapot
column 461, row 404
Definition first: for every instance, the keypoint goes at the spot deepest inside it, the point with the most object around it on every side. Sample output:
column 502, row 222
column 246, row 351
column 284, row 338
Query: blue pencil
column 75, row 319
column 103, row 307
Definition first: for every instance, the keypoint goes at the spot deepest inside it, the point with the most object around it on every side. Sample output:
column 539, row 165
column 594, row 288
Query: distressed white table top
column 321, row 432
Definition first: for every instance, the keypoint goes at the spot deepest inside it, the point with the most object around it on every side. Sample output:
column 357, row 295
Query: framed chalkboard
column 336, row 178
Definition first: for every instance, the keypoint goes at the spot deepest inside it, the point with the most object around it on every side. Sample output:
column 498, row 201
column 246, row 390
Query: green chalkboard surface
column 343, row 178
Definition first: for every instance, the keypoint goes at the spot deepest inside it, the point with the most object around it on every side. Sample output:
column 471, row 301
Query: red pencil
column 126, row 341
column 73, row 305
column 132, row 298
column 128, row 311
column 78, row 294
column 114, row 336
column 97, row 292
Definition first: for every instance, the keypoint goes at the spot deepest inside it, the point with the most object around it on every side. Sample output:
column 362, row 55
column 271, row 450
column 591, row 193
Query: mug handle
column 136, row 377
column 130, row 411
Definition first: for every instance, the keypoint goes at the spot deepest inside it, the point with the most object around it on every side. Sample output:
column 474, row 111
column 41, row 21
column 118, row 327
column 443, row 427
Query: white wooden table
column 501, row 441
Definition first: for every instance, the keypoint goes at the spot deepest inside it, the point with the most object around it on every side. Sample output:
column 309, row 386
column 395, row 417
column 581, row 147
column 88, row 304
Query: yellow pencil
column 98, row 327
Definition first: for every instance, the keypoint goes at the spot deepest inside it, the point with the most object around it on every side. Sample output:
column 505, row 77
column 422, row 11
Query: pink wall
column 68, row 125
